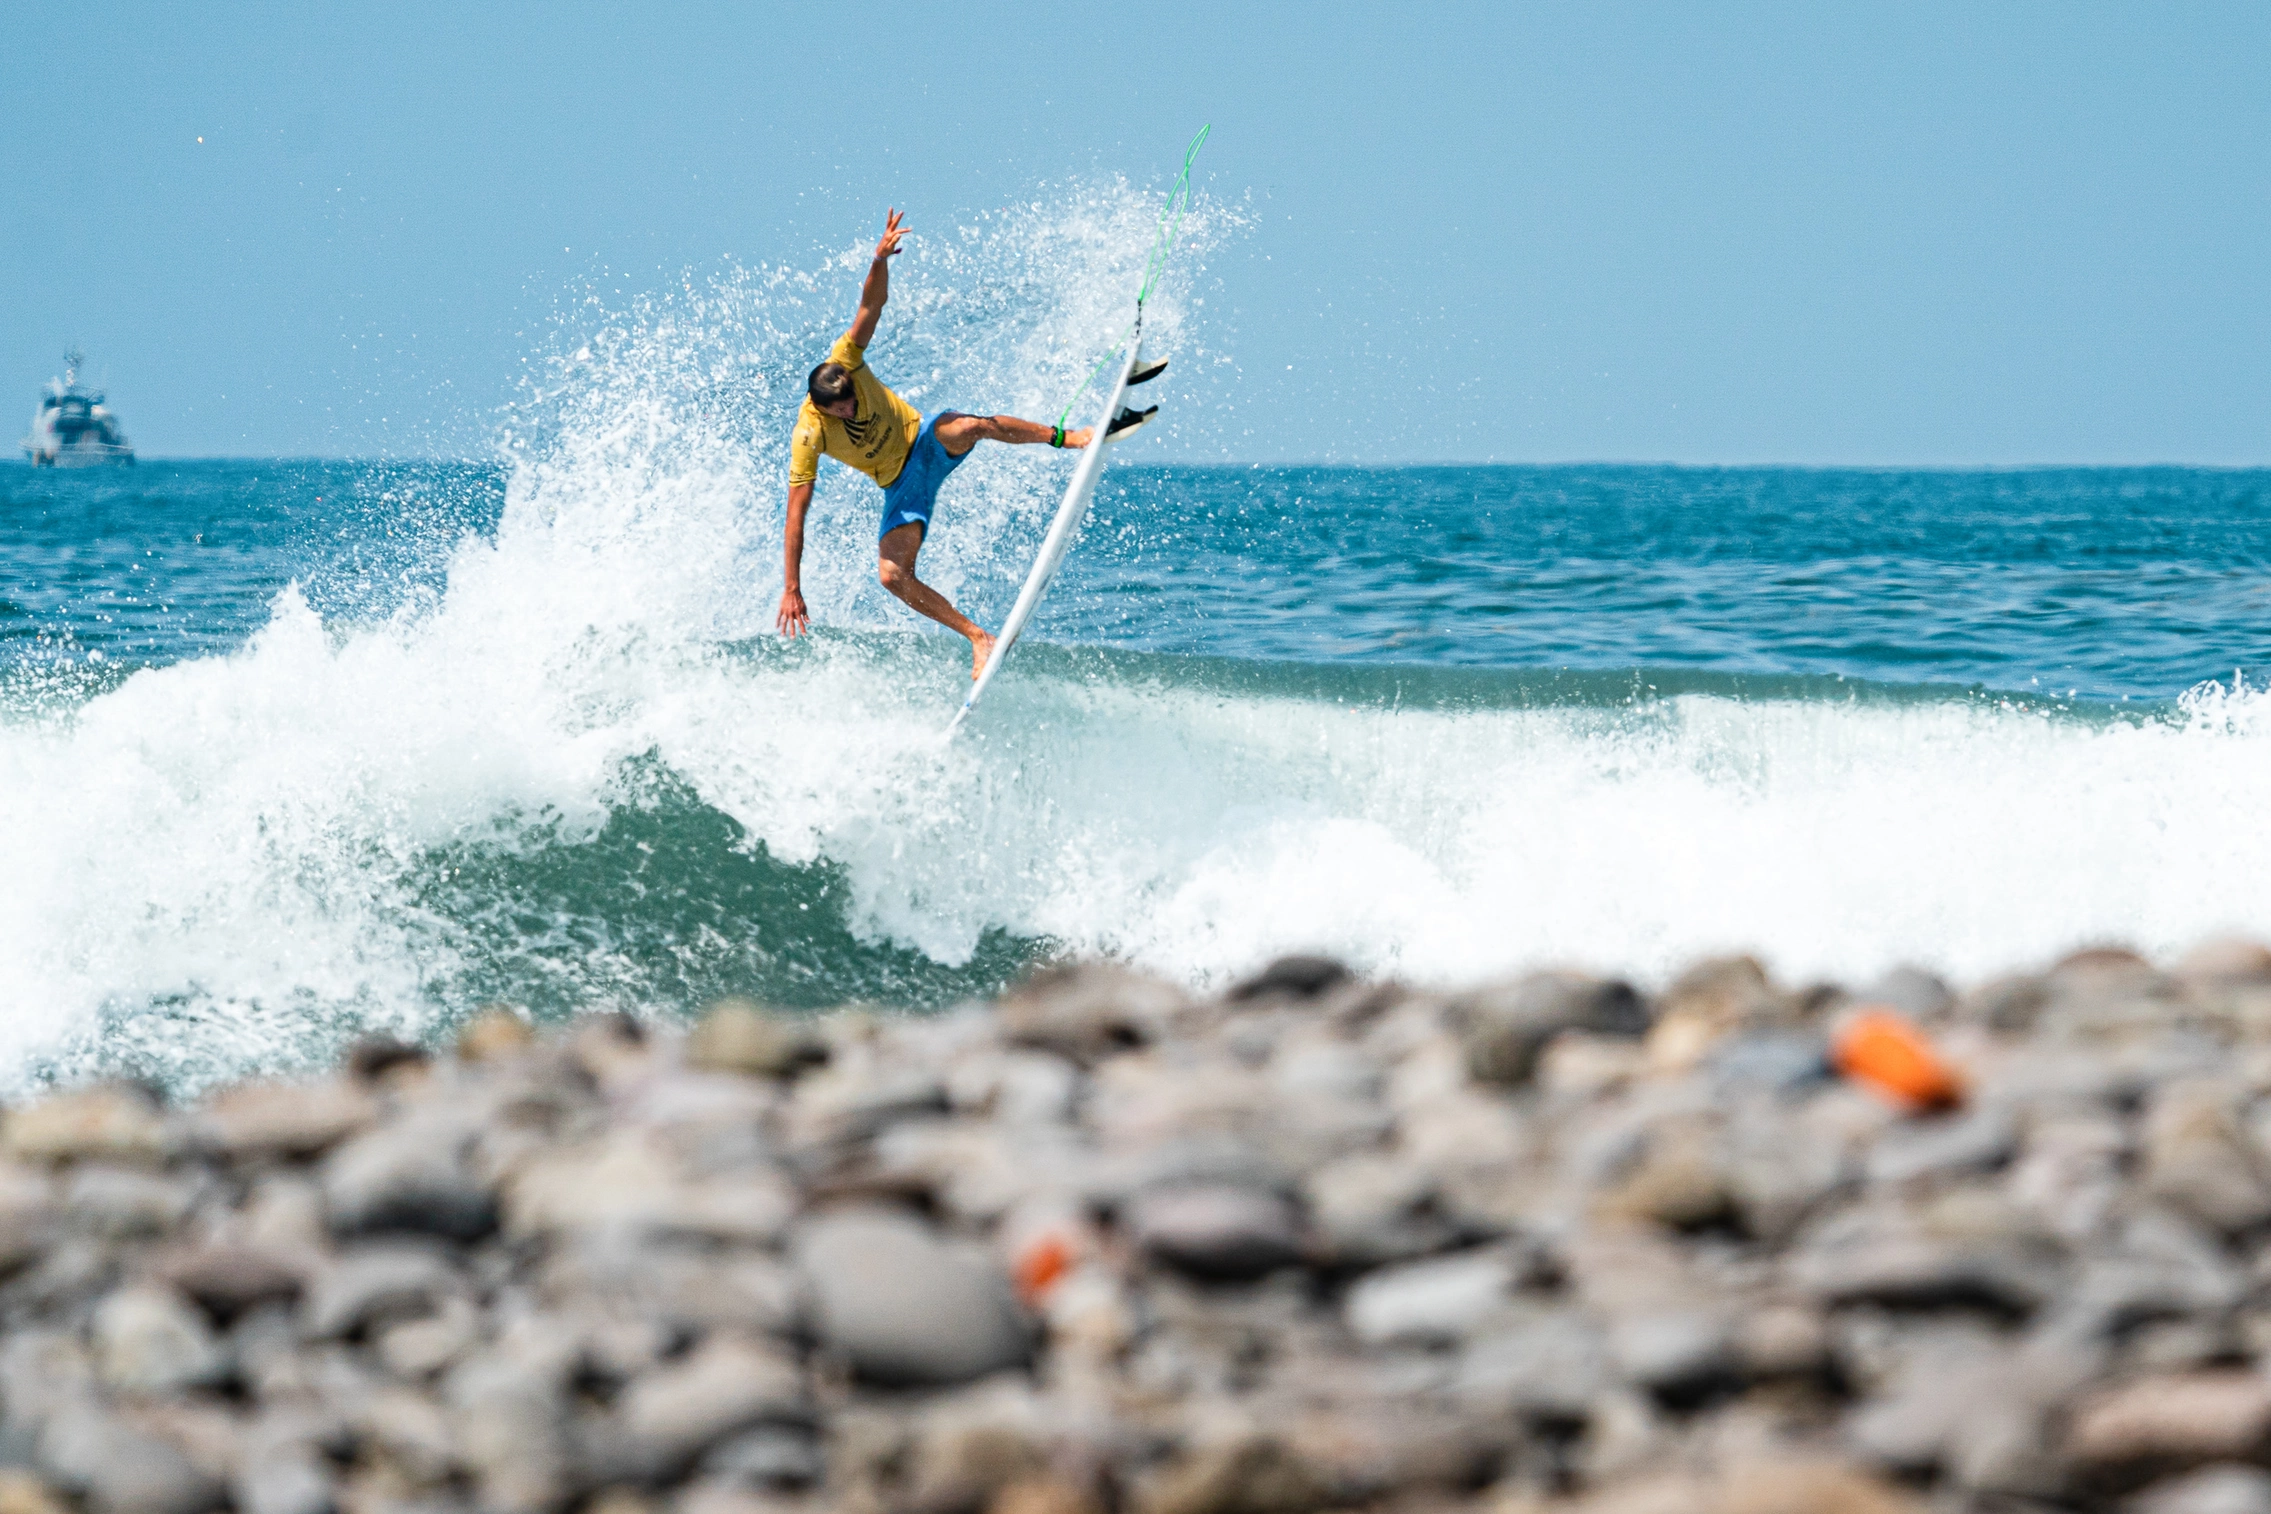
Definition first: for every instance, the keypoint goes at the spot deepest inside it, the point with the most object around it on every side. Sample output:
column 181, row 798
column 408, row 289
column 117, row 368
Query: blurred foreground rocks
column 1548, row 1244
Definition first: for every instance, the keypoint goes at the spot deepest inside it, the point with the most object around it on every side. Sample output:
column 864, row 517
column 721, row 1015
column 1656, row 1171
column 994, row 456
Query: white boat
column 74, row 428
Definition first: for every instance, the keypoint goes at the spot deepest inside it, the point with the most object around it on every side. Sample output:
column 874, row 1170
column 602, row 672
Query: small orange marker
column 1040, row 1262
column 1879, row 1048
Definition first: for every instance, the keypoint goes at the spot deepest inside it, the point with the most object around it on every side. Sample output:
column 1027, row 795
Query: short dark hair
column 830, row 384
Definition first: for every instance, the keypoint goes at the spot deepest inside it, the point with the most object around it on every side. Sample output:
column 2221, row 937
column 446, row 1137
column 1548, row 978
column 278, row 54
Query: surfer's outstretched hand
column 892, row 232
column 792, row 619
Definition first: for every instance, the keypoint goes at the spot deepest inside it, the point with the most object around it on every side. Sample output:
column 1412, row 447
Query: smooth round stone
column 1215, row 1231
column 906, row 1307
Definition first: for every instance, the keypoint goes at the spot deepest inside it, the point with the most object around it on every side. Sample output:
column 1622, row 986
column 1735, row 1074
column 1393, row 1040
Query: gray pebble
column 108, row 1122
column 2199, row 1159
column 1369, row 1209
column 508, row 1426
column 1937, row 1148
column 1914, row 991
column 2173, row 1421
column 1676, row 1354
column 121, row 1470
column 2211, row 1490
column 1215, row 1231
column 373, row 1285
column 149, row 1340
column 229, row 1280
column 285, row 1482
column 905, row 1307
column 284, row 1119
column 1298, row 977
column 672, row 1415
column 1437, row 1302
column 1088, row 1011
column 1887, row 1262
column 1549, row 1368
column 773, row 1457
column 124, row 1203
column 410, row 1176
column 1508, row 1026
column 739, row 1035
column 1777, row 1061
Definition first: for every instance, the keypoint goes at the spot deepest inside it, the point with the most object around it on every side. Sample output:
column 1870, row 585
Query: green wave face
column 672, row 904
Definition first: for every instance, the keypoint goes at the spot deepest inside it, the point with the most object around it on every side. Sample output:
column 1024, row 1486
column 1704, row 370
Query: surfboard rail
column 1070, row 513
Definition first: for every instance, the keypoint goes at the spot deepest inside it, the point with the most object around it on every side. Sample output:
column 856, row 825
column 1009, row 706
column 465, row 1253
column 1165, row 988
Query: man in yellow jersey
column 852, row 417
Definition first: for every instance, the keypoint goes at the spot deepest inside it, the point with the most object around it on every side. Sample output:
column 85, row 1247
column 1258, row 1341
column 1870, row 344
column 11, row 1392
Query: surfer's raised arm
column 792, row 618
column 876, row 292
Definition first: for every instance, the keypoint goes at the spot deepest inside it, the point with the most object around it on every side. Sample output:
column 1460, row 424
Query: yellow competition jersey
column 875, row 440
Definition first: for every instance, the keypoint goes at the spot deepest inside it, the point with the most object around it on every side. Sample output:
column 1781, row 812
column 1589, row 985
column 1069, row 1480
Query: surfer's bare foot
column 981, row 648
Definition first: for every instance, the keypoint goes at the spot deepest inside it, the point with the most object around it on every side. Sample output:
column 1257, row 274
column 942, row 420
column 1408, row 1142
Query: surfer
column 852, row 417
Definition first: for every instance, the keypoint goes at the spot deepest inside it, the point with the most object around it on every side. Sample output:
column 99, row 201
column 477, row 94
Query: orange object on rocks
column 1041, row 1261
column 1879, row 1048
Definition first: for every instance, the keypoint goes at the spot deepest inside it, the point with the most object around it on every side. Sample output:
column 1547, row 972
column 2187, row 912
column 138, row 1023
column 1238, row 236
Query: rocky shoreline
column 1546, row 1244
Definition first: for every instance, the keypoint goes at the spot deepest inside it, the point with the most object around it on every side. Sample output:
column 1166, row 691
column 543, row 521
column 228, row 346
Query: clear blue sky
column 1887, row 233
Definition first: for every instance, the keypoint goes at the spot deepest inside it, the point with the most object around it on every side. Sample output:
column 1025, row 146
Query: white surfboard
column 1070, row 514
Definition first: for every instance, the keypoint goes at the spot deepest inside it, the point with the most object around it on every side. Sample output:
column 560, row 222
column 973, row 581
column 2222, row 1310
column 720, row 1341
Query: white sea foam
column 1199, row 834
column 216, row 865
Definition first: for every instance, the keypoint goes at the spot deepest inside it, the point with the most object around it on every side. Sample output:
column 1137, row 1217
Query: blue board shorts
column 910, row 498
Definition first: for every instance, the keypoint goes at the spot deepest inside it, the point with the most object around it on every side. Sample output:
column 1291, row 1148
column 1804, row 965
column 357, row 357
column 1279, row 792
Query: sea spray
column 660, row 431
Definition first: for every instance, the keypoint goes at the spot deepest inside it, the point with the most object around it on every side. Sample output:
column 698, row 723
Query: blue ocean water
column 2096, row 584
column 295, row 751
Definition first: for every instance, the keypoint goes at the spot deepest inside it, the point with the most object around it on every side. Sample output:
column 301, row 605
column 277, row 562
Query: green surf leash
column 1171, row 219
column 1163, row 241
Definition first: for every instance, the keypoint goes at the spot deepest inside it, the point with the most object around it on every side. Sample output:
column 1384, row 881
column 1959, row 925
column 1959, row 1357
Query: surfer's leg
column 896, row 568
column 959, row 433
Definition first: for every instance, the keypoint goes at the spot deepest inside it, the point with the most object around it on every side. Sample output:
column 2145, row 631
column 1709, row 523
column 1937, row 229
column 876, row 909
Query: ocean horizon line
column 1249, row 464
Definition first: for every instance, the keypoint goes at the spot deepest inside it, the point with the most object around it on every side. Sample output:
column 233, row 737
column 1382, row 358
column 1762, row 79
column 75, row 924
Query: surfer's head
column 831, row 389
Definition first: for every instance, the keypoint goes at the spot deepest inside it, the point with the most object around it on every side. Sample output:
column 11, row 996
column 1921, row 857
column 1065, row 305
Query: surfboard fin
column 1127, row 420
column 1145, row 371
